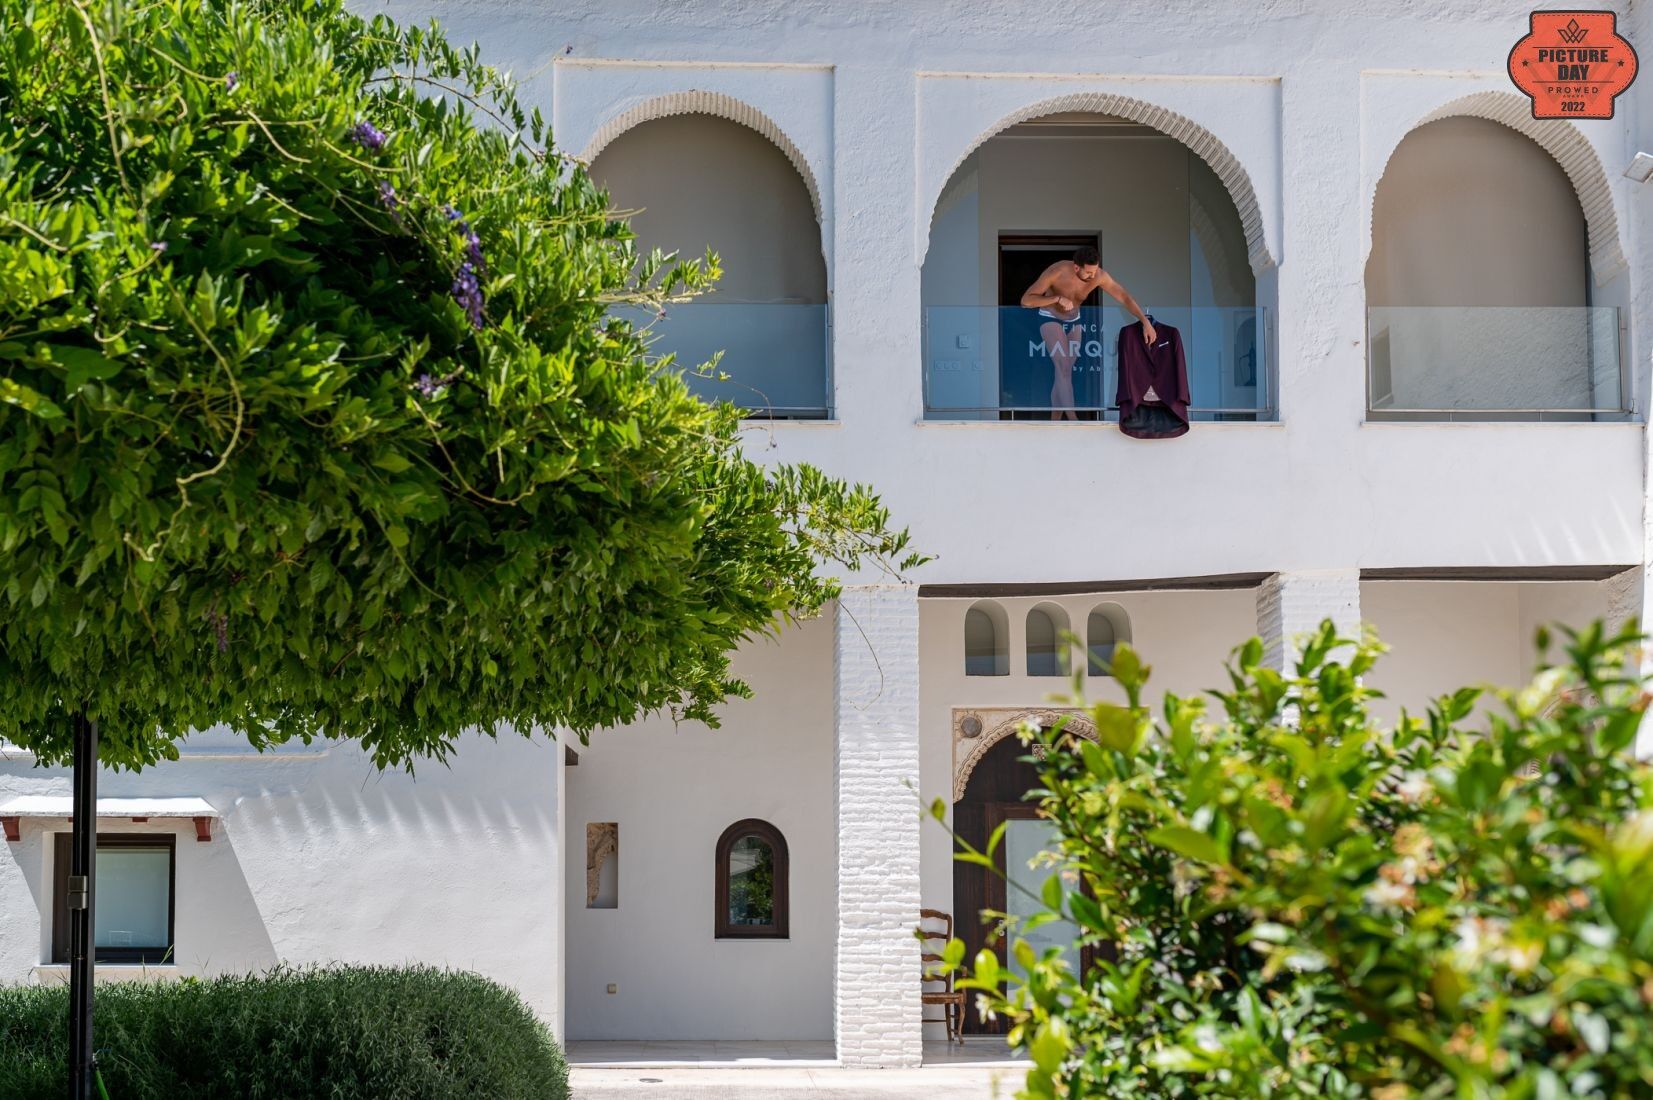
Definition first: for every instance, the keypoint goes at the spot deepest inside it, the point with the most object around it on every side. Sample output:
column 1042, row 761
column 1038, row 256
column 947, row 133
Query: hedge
column 341, row 1032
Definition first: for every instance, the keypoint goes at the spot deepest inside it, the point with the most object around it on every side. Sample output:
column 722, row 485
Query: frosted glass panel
column 775, row 353
column 1444, row 359
column 132, row 897
column 993, row 362
column 1025, row 838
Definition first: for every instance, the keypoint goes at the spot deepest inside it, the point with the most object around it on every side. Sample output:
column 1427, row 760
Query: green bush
column 1300, row 902
column 354, row 1031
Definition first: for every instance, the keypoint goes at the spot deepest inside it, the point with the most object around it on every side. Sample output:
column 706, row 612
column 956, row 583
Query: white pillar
column 1627, row 595
column 876, row 989
column 1290, row 605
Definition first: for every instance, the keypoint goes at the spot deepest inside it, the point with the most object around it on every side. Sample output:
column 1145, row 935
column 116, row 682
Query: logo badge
column 1572, row 64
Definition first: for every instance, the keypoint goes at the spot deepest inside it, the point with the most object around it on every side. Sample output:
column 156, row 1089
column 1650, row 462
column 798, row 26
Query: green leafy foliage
column 344, row 1032
column 314, row 417
column 1292, row 900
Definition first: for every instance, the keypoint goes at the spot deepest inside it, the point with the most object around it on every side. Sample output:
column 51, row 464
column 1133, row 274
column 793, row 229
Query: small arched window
column 1047, row 650
column 751, row 882
column 1107, row 626
column 986, row 650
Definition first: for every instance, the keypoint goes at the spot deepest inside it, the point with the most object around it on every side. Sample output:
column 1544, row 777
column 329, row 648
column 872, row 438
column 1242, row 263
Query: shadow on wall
column 319, row 857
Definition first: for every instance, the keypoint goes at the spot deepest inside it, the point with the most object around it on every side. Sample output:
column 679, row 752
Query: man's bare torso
column 1067, row 282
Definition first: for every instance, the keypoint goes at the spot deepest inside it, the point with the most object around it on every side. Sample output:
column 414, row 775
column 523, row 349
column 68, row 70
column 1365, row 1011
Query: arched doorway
column 1173, row 220
column 995, row 794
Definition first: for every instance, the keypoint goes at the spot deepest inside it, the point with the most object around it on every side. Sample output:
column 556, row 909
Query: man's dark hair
column 1086, row 254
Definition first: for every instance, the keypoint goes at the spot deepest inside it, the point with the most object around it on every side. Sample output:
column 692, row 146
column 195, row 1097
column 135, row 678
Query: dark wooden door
column 996, row 792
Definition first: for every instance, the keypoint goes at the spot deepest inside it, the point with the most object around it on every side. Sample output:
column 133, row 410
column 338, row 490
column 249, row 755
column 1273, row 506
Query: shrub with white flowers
column 1295, row 900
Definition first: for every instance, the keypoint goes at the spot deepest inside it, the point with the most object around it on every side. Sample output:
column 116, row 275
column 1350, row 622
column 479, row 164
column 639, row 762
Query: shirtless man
column 1057, row 295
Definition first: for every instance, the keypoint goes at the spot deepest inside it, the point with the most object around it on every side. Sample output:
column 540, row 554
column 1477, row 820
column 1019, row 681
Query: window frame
column 769, row 834
column 149, row 956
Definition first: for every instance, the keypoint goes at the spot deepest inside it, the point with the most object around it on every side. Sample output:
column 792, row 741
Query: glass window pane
column 1100, row 638
column 981, row 644
column 751, row 882
column 1043, row 658
column 132, row 897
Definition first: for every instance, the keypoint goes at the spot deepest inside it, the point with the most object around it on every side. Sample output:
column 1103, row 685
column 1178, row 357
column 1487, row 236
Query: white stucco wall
column 318, row 857
column 673, row 790
column 1444, row 635
column 1308, row 101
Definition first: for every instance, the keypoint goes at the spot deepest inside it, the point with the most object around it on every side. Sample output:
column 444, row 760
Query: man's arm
column 1040, row 294
column 1121, row 295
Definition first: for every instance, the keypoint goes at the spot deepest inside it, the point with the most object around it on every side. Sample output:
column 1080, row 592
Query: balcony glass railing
column 991, row 363
column 1494, row 362
column 775, row 354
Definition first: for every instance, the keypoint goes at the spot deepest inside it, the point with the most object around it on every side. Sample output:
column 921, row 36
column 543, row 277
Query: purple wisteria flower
column 231, row 80
column 467, row 285
column 368, row 136
column 467, row 291
column 429, row 386
column 391, row 201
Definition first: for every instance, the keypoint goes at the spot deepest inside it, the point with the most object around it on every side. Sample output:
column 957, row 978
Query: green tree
column 314, row 418
column 1297, row 901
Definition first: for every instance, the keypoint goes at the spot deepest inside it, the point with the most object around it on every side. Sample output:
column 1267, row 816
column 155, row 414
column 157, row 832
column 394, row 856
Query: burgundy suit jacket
column 1162, row 367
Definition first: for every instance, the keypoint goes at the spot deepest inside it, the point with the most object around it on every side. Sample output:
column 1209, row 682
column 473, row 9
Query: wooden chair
column 951, row 1000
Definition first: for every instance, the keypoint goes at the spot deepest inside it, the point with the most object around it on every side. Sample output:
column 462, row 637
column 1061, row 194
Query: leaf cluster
column 1292, row 899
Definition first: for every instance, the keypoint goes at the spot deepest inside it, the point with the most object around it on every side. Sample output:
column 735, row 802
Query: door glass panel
column 132, row 902
column 1025, row 838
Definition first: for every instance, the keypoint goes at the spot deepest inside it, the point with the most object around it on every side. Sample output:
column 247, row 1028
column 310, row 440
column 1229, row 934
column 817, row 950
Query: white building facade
column 1417, row 325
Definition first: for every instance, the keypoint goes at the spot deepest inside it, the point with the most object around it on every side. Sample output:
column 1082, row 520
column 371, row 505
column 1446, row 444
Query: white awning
column 14, row 810
column 62, row 805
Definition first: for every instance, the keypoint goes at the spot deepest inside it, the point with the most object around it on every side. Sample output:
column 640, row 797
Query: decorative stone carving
column 1197, row 138
column 602, row 842
column 718, row 105
column 994, row 724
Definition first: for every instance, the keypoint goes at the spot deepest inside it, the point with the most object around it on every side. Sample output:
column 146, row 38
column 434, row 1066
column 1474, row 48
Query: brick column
column 1290, row 605
column 1627, row 595
column 876, row 967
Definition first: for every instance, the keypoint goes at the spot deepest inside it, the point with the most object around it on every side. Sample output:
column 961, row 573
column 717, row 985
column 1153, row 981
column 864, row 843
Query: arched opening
column 751, row 890
column 1047, row 645
column 1165, row 225
column 695, row 181
column 1478, row 284
column 986, row 640
column 995, row 796
column 1105, row 627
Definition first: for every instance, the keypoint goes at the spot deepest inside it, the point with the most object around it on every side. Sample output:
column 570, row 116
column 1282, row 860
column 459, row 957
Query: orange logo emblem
column 1572, row 63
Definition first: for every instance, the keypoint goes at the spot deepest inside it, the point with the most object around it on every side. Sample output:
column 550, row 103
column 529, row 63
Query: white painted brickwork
column 875, row 988
column 1627, row 594
column 1290, row 605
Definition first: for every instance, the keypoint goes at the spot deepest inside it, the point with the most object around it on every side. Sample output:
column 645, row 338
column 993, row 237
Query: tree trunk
column 83, row 850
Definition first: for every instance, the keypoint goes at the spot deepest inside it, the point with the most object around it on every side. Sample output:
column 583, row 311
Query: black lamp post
column 83, row 854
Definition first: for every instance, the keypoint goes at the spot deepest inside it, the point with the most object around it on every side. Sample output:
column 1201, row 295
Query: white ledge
column 62, row 805
column 1197, row 426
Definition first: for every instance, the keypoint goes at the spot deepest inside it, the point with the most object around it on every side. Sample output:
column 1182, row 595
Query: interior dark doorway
column 994, row 794
column 1024, row 368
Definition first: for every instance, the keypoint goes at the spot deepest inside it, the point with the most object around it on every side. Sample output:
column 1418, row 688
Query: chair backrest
column 928, row 934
